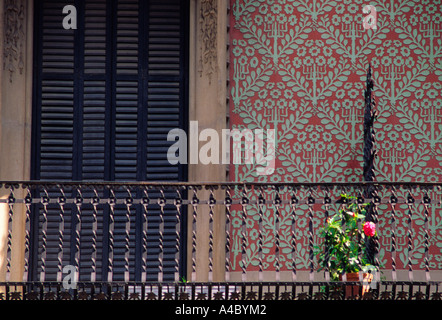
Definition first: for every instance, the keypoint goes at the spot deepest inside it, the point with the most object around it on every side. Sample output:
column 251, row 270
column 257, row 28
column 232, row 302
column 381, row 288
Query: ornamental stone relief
column 208, row 35
column 14, row 13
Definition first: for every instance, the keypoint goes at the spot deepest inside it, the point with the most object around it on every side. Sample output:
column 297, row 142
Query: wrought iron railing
column 133, row 240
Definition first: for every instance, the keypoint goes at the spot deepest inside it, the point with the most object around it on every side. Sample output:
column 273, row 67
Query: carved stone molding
column 208, row 35
column 14, row 13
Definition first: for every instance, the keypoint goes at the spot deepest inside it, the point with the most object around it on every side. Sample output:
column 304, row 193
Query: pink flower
column 369, row 229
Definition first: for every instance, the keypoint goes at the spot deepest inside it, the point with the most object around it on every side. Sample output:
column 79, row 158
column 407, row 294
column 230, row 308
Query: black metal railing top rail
column 136, row 231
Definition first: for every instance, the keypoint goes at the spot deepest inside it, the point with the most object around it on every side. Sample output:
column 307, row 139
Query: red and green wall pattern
column 299, row 67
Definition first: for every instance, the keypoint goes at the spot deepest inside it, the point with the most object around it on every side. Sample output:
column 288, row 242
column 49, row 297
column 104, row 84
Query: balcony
column 209, row 241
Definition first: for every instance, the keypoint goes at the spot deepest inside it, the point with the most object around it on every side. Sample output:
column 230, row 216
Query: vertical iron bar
column 110, row 262
column 393, row 202
column 294, row 202
column 360, row 202
column 244, row 216
column 369, row 152
column 161, row 203
column 212, row 202
column 145, row 202
column 44, row 234
column 261, row 203
column 369, row 118
column 11, row 201
column 228, row 203
column 95, row 202
column 61, row 203
column 311, row 202
column 327, row 202
column 128, row 202
column 28, row 203
column 410, row 202
column 79, row 203
column 374, row 217
column 427, row 203
column 195, row 202
column 178, row 203
column 277, row 204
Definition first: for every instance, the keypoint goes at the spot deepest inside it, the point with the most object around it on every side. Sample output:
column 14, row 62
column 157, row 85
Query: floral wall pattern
column 299, row 67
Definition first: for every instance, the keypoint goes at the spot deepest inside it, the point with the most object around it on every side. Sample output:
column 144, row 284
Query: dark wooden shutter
column 105, row 97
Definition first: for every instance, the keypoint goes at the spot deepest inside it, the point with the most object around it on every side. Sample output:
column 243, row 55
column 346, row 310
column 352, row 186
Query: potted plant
column 343, row 249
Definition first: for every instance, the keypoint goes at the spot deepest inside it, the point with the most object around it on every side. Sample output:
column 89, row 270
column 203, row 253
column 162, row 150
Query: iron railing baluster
column 228, row 204
column 261, row 204
column 178, row 207
column 212, row 202
column 195, row 202
column 110, row 263
column 311, row 202
column 78, row 215
column 128, row 203
column 427, row 203
column 244, row 203
column 327, row 202
column 277, row 205
column 28, row 203
column 11, row 202
column 44, row 234
column 95, row 202
column 162, row 204
column 294, row 201
column 393, row 202
column 375, row 218
column 410, row 203
column 145, row 202
column 61, row 204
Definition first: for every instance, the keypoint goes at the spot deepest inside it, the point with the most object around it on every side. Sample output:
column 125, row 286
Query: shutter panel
column 165, row 77
column 107, row 94
column 126, row 95
column 57, row 109
column 95, row 105
column 55, row 114
column 96, row 93
column 165, row 90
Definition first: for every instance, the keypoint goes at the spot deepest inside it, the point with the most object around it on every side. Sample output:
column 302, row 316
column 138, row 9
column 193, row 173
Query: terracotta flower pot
column 353, row 290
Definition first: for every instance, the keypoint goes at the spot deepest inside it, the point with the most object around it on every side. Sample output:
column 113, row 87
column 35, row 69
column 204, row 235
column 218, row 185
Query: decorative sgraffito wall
column 299, row 67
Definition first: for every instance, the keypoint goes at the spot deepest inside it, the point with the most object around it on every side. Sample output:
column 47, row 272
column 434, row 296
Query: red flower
column 369, row 229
